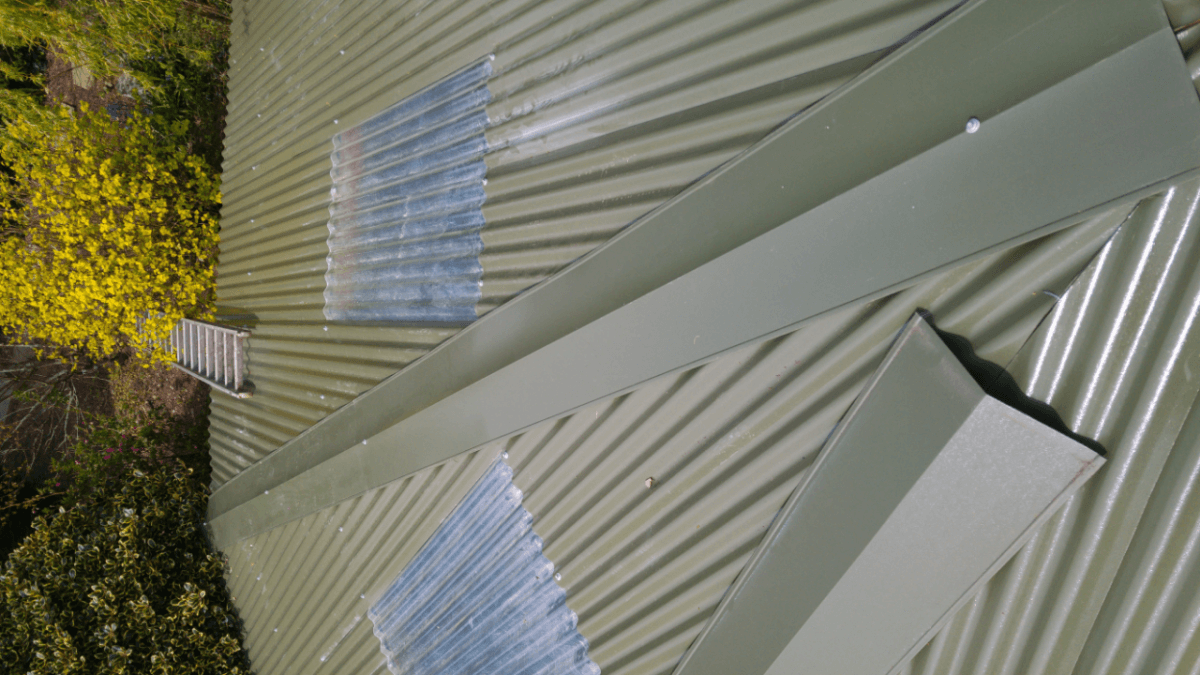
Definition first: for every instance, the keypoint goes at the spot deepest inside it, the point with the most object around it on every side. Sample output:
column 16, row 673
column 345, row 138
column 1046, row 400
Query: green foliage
column 106, row 35
column 22, row 69
column 122, row 583
column 119, row 445
column 112, row 232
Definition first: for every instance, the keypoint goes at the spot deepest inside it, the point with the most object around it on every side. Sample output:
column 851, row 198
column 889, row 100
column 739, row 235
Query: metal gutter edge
column 1017, row 51
column 927, row 487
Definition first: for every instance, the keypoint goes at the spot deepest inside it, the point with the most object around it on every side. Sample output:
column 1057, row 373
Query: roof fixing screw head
column 650, row 482
column 973, row 125
column 558, row 576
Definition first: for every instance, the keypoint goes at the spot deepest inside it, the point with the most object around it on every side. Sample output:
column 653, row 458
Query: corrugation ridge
column 238, row 456
column 595, row 76
column 247, row 232
column 223, row 469
column 378, row 536
column 249, row 415
column 595, row 226
column 480, row 595
column 725, row 445
column 305, row 264
column 1160, row 575
column 319, row 553
column 286, row 617
column 743, row 429
column 393, row 173
column 386, row 356
column 303, row 241
column 246, row 46
column 261, row 77
column 388, row 55
column 238, row 450
column 382, row 337
column 880, row 46
column 294, row 49
column 395, row 50
column 274, row 424
column 668, row 179
column 1115, row 360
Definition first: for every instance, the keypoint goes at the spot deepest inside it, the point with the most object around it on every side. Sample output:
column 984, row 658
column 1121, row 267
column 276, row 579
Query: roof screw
column 266, row 492
column 335, row 121
column 364, row 441
column 342, row 51
column 558, row 576
column 339, row 529
column 504, row 455
column 650, row 482
column 973, row 125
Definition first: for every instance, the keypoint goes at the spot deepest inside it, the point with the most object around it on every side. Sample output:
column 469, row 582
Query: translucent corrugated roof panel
column 480, row 596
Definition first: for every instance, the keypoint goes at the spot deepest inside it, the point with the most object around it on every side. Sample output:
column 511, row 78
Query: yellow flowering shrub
column 110, row 234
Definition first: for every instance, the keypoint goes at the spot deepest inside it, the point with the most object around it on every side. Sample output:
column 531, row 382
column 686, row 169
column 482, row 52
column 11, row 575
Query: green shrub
column 108, row 223
column 106, row 35
column 118, row 445
column 124, row 582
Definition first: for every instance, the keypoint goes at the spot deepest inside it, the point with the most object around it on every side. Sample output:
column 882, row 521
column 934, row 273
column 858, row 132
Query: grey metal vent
column 480, row 597
column 213, row 354
column 924, row 491
column 405, row 208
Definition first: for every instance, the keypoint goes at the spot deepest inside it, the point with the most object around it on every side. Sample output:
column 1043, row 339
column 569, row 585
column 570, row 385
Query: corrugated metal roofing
column 480, row 596
column 600, row 112
column 1110, row 584
column 720, row 446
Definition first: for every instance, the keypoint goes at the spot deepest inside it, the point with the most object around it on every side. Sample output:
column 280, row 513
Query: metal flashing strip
column 480, row 596
column 404, row 213
column 924, row 491
column 1067, row 129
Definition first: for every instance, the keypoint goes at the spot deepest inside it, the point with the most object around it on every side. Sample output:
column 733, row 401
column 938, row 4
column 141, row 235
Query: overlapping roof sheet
column 600, row 112
column 651, row 502
column 726, row 443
